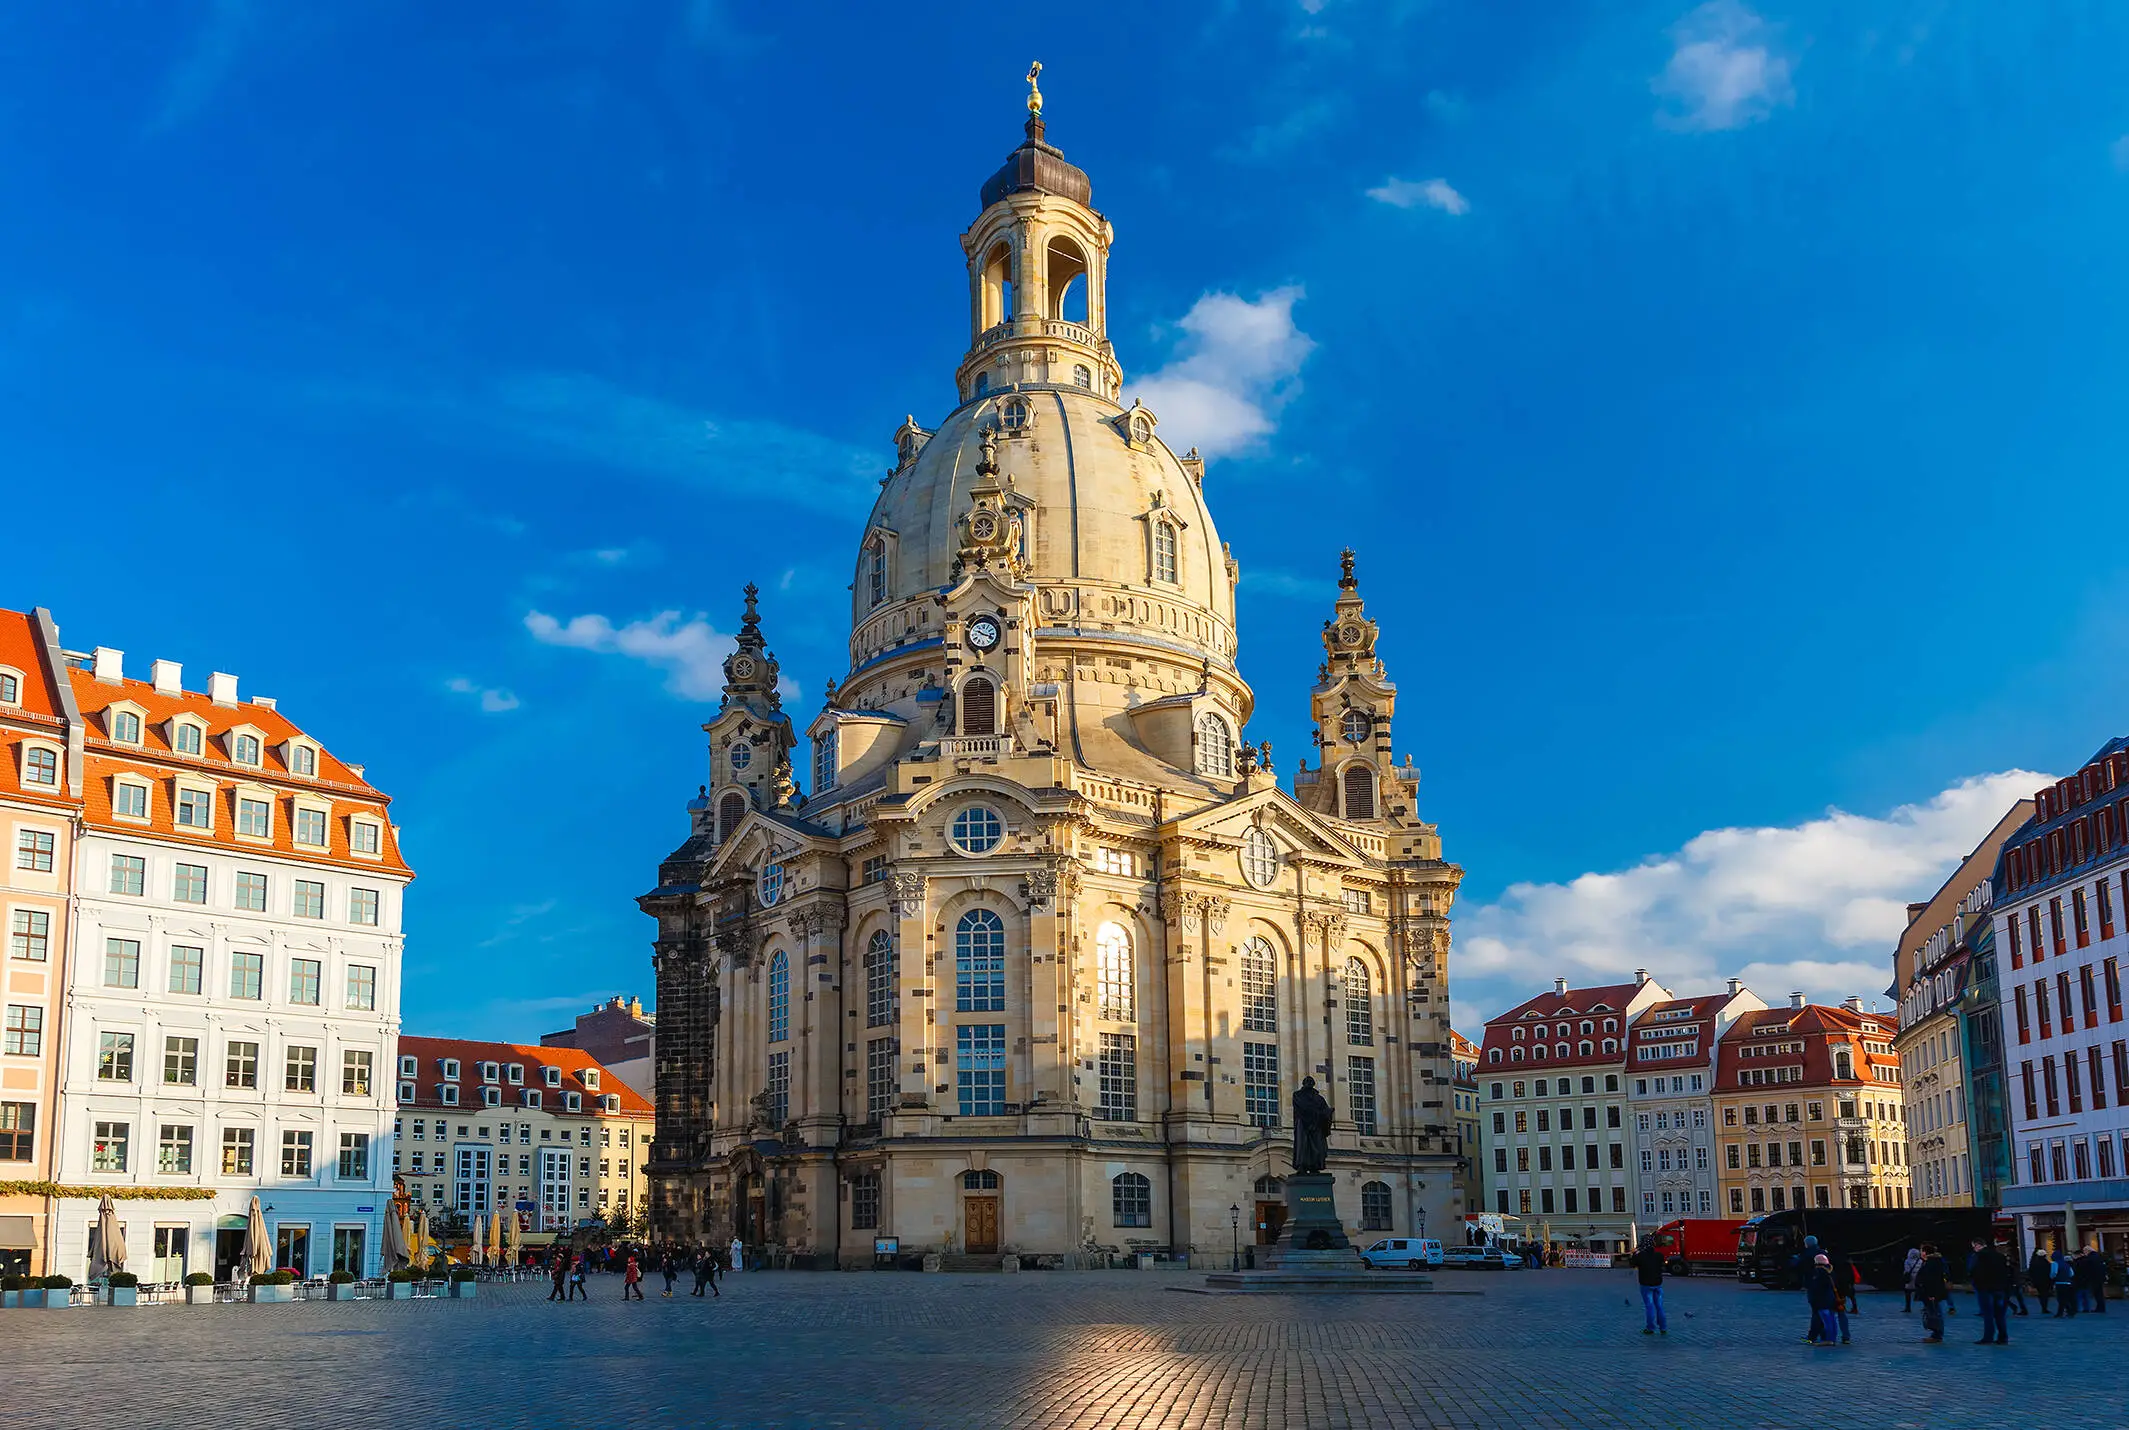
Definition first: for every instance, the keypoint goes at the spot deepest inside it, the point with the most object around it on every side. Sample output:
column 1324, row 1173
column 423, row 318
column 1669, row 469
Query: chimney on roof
column 1853, row 1003
column 635, row 1007
column 222, row 689
column 110, row 665
column 1640, row 976
column 264, row 702
column 169, row 677
column 1559, row 987
column 1737, row 986
column 1796, row 1000
column 357, row 770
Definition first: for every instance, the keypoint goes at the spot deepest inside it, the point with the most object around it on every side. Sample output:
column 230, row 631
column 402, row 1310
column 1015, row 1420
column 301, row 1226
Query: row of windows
column 186, row 969
column 2077, row 1084
column 493, row 1072
column 1589, row 1087
column 2073, row 1159
column 188, row 737
column 1567, row 1119
column 447, row 1094
column 2043, row 1008
column 250, row 891
column 1660, row 1160
column 111, row 1150
column 1664, row 1120
column 2083, row 908
column 1676, row 1204
column 1546, row 1205
column 240, row 1063
column 1617, row 1157
column 1586, row 1049
column 418, row 1128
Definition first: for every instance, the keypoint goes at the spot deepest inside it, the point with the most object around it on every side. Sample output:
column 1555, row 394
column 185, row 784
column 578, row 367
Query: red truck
column 1699, row 1244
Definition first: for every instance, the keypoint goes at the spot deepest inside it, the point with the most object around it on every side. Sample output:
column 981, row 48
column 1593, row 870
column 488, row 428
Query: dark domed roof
column 1036, row 165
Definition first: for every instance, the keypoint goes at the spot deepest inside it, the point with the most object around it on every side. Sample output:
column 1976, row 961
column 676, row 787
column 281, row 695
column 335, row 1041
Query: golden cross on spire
column 1035, row 89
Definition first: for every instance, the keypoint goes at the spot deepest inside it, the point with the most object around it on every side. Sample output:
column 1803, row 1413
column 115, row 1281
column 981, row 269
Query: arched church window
column 772, row 885
column 1359, row 1004
column 824, row 759
column 1260, row 858
column 983, row 383
column 1083, row 376
column 1359, row 792
column 979, row 963
column 879, row 979
column 979, row 706
column 1067, row 284
column 1164, row 564
column 1375, row 1206
column 1216, row 747
column 780, row 997
column 1260, row 986
column 997, row 285
column 1113, row 981
column 1131, row 1199
column 876, row 572
column 730, row 810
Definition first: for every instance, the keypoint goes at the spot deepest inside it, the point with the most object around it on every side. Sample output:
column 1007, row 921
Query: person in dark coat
column 1932, row 1285
column 1819, row 1291
column 2092, row 1278
column 561, row 1278
column 2040, row 1275
column 1993, row 1278
column 706, row 1272
column 1648, row 1267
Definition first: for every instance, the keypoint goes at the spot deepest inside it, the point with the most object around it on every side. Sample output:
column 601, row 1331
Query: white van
column 1403, row 1251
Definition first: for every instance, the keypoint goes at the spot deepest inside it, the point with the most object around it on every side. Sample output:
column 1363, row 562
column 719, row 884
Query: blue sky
column 1729, row 396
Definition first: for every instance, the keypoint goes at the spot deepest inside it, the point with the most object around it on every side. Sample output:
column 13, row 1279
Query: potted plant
column 122, row 1289
column 58, row 1292
column 463, row 1283
column 273, row 1286
column 11, row 1290
column 399, row 1285
column 340, row 1286
column 199, row 1289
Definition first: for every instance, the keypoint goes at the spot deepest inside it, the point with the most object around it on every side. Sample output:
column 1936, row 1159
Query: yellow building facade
column 1038, row 962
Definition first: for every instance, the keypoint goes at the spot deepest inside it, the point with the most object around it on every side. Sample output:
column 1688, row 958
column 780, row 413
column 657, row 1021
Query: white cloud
column 1815, row 906
column 493, row 701
column 690, row 652
column 1723, row 72
column 1236, row 367
column 1417, row 193
column 2120, row 150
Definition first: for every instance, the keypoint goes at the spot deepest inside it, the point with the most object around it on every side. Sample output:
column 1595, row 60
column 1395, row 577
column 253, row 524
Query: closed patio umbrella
column 395, row 1240
column 2069, row 1229
column 494, row 1256
column 258, row 1251
column 477, row 1243
column 510, row 1236
column 422, row 1250
column 110, row 1238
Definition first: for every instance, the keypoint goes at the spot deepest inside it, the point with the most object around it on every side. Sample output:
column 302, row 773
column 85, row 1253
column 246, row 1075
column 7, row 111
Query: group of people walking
column 706, row 1266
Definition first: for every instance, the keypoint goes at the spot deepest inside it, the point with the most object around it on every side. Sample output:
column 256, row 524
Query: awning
column 18, row 1233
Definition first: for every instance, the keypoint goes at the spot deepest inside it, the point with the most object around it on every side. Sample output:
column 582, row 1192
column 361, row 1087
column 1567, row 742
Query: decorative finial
column 752, row 617
column 1346, row 581
column 987, row 465
column 1035, row 89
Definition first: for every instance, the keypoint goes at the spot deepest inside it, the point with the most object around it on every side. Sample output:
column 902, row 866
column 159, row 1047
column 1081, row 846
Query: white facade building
column 1670, row 1067
column 233, row 1000
column 2062, row 935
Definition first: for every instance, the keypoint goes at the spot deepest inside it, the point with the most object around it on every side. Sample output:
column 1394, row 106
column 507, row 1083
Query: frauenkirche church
column 1038, row 961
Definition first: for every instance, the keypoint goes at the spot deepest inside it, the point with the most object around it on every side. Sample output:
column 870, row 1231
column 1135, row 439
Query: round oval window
column 772, row 885
column 1260, row 858
column 741, row 756
column 977, row 830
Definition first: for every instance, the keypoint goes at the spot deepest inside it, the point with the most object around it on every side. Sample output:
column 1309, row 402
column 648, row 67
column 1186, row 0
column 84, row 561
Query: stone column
column 917, row 1069
column 1050, row 1075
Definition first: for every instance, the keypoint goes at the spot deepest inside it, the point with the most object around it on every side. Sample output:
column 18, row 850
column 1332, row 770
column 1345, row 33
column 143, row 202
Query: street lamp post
column 1234, row 1222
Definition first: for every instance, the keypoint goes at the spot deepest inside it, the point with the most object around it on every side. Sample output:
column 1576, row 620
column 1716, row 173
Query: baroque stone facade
column 1037, row 963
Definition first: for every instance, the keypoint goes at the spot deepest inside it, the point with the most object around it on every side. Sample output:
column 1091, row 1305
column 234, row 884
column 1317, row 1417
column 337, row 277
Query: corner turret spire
column 750, row 671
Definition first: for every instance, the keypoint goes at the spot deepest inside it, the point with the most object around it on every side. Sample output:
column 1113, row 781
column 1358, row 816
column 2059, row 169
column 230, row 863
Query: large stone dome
column 1094, row 500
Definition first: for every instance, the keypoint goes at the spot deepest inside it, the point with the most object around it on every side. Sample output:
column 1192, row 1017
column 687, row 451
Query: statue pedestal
column 1313, row 1235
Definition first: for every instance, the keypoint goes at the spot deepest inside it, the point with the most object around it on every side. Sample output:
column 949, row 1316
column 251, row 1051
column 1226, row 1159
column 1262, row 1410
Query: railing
column 1072, row 332
column 992, row 336
column 983, row 747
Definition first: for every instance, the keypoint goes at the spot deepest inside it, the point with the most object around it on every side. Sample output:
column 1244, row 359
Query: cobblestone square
column 1552, row 1349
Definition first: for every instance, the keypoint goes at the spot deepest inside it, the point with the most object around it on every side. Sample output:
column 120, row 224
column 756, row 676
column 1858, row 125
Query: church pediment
column 1300, row 833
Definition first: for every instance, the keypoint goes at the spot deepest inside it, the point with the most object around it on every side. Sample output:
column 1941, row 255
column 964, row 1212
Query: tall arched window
column 979, row 963
column 779, row 998
column 1375, row 1206
column 1260, row 986
column 876, row 573
column 1131, row 1199
column 979, row 706
column 997, row 285
column 1359, row 792
column 730, row 810
column 1164, row 564
column 1067, row 281
column 1216, row 747
column 824, row 760
column 879, row 979
column 1114, row 997
column 1359, row 1005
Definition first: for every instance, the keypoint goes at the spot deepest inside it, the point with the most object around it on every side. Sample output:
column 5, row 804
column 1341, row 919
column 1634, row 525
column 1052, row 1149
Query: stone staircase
column 969, row 1263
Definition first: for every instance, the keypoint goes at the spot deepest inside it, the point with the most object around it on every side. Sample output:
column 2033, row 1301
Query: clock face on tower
column 983, row 633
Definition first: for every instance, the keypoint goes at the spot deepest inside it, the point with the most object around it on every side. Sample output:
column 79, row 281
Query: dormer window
column 532, row 1097
column 876, row 573
column 572, row 1102
column 187, row 737
column 255, row 817
column 195, row 809
column 406, row 1092
column 409, row 1065
column 310, row 827
column 10, row 688
column 129, row 800
column 450, row 1069
column 1216, row 747
column 364, row 836
column 447, row 1094
column 824, row 758
column 490, row 1072
column 591, row 1078
column 244, row 749
column 40, row 766
column 125, row 727
column 1164, row 557
column 552, row 1076
column 491, row 1097
column 517, row 1074
column 303, row 759
column 610, row 1102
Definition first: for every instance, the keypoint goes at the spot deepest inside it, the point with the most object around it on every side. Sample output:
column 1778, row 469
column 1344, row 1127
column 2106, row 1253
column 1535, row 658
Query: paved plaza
column 1534, row 1350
